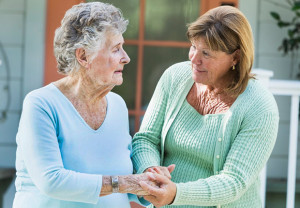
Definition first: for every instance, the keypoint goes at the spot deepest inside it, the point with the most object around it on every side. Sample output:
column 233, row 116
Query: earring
column 233, row 67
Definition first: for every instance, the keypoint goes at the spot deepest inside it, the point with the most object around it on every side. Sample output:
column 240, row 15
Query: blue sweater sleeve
column 37, row 138
column 140, row 201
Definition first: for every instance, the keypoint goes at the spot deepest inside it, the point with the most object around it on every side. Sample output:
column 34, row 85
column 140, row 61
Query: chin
column 197, row 79
column 119, row 82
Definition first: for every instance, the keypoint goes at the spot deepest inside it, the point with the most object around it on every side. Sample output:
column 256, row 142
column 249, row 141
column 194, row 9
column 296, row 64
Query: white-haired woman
column 73, row 139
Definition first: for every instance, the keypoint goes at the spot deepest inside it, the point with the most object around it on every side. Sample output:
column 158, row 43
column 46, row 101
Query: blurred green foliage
column 292, row 41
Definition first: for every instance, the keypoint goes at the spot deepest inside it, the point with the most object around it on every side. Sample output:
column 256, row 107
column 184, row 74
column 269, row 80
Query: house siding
column 22, row 37
column 269, row 37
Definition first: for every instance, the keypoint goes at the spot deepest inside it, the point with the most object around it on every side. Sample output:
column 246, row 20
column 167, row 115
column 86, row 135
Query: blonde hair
column 226, row 29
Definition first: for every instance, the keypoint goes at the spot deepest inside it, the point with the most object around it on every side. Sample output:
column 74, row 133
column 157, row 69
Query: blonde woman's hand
column 160, row 195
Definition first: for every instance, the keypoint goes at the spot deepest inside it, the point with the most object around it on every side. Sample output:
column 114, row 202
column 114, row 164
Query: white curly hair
column 86, row 26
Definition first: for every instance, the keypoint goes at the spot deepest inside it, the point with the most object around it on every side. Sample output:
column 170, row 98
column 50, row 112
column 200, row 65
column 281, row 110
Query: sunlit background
column 154, row 40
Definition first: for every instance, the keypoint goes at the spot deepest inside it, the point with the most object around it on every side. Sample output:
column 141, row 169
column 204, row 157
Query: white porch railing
column 285, row 88
column 290, row 88
column 264, row 76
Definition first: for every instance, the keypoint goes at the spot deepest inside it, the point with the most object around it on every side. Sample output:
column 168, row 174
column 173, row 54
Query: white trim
column 34, row 45
column 251, row 9
column 290, row 88
column 285, row 87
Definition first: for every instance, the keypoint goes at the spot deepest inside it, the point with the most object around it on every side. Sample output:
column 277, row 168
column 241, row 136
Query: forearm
column 146, row 144
column 106, row 186
column 127, row 184
column 145, row 153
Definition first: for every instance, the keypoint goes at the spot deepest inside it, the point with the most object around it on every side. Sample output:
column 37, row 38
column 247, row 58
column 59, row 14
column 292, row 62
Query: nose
column 195, row 57
column 125, row 59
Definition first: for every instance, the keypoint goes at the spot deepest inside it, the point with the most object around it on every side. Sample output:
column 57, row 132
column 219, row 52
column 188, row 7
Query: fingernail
column 151, row 175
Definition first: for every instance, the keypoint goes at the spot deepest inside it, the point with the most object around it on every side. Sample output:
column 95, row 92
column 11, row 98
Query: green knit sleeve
column 146, row 143
column 248, row 154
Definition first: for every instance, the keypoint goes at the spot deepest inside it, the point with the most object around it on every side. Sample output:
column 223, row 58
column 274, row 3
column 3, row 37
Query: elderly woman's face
column 107, row 68
column 210, row 67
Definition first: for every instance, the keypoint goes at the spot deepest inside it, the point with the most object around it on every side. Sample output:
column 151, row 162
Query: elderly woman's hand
column 160, row 195
column 166, row 171
column 131, row 183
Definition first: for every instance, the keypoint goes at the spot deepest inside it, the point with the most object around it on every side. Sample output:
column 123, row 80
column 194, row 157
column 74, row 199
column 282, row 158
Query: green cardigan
column 245, row 141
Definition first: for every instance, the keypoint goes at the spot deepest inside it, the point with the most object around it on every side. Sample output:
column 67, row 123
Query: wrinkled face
column 107, row 68
column 211, row 68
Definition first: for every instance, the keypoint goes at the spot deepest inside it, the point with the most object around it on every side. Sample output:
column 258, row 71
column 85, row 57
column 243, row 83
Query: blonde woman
column 210, row 118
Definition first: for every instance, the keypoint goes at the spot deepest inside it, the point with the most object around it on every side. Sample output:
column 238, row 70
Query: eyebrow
column 205, row 49
column 118, row 44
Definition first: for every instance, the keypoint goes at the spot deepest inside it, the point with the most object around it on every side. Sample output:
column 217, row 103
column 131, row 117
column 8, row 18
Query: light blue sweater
column 60, row 159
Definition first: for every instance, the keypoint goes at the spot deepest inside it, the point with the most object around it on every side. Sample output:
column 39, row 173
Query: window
column 155, row 39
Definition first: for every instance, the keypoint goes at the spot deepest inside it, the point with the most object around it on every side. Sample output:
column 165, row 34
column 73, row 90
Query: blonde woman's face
column 212, row 68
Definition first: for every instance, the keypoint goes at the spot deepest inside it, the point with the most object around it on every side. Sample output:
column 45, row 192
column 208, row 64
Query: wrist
column 115, row 184
column 123, row 184
column 106, row 185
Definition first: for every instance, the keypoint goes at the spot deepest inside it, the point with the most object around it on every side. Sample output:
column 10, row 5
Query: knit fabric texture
column 221, row 167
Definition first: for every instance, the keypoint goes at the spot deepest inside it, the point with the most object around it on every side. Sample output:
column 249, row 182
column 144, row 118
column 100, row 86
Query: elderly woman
column 73, row 138
column 210, row 118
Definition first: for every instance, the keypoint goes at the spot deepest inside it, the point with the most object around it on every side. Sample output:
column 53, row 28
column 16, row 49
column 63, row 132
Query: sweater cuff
column 96, row 195
column 144, row 162
column 189, row 193
column 138, row 200
column 177, row 197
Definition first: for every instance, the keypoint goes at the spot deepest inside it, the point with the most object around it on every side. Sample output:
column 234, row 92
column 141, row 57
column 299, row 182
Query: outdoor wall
column 11, row 37
column 22, row 38
column 268, row 37
column 22, row 34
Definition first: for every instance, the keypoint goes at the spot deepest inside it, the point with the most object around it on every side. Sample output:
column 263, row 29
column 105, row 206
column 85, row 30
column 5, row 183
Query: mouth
column 120, row 71
column 199, row 70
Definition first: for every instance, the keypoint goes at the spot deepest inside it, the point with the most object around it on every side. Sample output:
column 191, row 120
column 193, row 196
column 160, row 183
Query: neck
column 81, row 88
column 213, row 90
column 218, row 87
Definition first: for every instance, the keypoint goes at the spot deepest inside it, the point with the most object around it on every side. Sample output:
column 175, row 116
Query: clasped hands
column 162, row 190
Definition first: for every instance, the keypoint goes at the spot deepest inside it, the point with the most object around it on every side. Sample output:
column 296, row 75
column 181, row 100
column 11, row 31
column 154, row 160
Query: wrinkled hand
column 131, row 183
column 160, row 195
column 166, row 171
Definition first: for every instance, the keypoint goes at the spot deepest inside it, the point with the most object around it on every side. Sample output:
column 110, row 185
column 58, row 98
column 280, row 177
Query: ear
column 81, row 57
column 236, row 56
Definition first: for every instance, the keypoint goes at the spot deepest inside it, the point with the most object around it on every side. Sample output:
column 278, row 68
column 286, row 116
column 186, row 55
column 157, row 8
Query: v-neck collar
column 78, row 114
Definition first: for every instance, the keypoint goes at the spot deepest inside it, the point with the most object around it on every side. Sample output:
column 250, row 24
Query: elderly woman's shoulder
column 43, row 94
column 117, row 99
